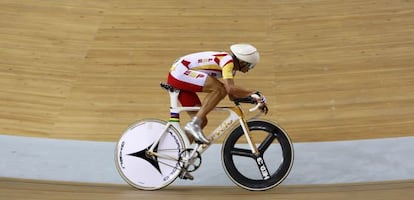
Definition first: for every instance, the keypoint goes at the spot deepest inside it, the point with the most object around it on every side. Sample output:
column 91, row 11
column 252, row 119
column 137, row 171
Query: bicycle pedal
column 186, row 176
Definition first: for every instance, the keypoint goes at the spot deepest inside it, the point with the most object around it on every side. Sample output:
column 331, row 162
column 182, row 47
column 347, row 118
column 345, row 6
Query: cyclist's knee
column 220, row 89
column 214, row 85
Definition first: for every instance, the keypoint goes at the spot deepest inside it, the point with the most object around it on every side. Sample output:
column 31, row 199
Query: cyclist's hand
column 259, row 97
column 261, row 100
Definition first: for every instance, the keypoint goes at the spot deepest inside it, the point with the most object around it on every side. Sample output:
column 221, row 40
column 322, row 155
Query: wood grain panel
column 42, row 44
column 332, row 70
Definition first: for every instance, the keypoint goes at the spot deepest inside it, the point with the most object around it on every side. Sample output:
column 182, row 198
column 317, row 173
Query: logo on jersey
column 205, row 60
column 193, row 74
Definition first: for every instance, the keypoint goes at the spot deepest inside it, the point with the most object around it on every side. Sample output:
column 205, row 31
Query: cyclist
column 201, row 71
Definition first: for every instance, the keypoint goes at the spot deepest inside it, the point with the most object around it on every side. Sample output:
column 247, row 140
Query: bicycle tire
column 267, row 174
column 141, row 170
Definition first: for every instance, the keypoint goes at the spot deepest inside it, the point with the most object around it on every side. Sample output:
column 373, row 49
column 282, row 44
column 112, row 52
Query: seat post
column 174, row 98
column 173, row 92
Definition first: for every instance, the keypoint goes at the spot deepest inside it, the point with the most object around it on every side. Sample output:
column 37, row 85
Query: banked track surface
column 46, row 190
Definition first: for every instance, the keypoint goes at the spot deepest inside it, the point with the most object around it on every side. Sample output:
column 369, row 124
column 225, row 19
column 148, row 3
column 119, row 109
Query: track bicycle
column 257, row 154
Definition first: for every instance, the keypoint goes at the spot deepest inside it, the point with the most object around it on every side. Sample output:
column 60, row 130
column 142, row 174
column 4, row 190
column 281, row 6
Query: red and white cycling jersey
column 190, row 72
column 194, row 68
column 217, row 64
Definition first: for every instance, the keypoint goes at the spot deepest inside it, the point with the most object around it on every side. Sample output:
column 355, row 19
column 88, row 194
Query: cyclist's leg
column 197, row 81
column 216, row 92
column 190, row 82
column 191, row 99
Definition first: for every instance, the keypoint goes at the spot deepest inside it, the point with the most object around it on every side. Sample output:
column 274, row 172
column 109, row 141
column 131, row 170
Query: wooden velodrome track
column 331, row 70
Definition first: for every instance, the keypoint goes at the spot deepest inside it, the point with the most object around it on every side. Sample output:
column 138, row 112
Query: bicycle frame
column 152, row 153
column 236, row 115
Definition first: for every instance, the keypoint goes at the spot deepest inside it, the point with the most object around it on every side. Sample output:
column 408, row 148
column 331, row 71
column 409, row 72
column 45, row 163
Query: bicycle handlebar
column 244, row 100
column 256, row 107
column 250, row 100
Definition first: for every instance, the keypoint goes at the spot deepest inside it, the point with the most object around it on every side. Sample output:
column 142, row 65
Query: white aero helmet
column 247, row 53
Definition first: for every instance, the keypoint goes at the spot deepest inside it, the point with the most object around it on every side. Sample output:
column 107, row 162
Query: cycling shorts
column 189, row 82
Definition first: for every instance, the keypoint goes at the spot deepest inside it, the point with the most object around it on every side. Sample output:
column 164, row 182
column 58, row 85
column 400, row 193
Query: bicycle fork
column 255, row 151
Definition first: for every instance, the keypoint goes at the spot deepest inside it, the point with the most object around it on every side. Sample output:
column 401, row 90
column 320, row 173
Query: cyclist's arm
column 232, row 90
column 235, row 91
